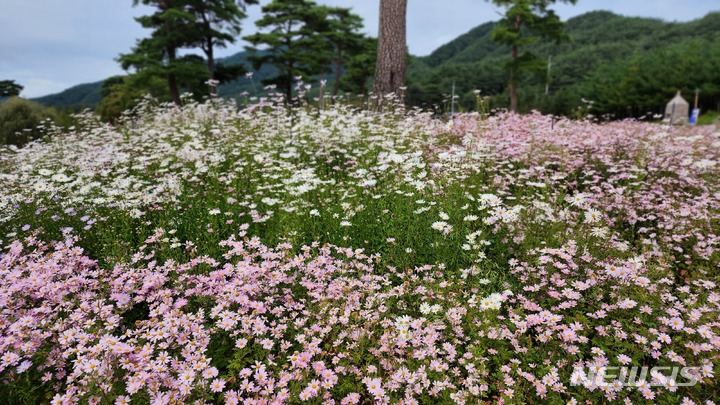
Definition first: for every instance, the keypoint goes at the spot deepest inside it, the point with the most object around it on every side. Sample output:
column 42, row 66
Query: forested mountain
column 628, row 66
column 88, row 95
column 76, row 97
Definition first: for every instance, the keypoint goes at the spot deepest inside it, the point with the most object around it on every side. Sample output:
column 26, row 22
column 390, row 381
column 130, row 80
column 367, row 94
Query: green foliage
column 291, row 29
column 342, row 31
column 647, row 80
column 710, row 118
column 217, row 24
column 596, row 65
column 19, row 121
column 360, row 67
column 173, row 28
column 9, row 88
column 122, row 93
column 524, row 23
column 204, row 24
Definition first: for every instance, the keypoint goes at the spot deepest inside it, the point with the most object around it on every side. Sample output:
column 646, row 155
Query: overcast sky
column 50, row 45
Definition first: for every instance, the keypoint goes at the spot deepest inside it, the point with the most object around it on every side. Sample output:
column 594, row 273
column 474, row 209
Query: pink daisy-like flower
column 217, row 385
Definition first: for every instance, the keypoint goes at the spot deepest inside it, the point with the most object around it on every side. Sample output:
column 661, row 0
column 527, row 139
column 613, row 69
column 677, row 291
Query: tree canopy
column 185, row 24
column 524, row 23
column 9, row 88
column 301, row 39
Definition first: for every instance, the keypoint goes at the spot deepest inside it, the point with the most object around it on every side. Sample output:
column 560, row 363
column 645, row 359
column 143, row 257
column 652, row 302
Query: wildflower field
column 264, row 256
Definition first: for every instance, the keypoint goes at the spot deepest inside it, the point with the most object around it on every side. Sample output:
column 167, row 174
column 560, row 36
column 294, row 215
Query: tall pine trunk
column 171, row 51
column 338, row 71
column 171, row 77
column 513, row 70
column 210, row 54
column 513, row 80
column 391, row 55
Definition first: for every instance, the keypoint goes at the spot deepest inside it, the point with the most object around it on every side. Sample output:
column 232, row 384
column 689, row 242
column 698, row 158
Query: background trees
column 9, row 88
column 217, row 24
column 360, row 66
column 301, row 39
column 19, row 120
column 290, row 31
column 185, row 24
column 342, row 31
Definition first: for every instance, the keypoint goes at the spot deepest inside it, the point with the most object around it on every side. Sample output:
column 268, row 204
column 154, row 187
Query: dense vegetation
column 86, row 95
column 21, row 121
column 627, row 66
column 205, row 254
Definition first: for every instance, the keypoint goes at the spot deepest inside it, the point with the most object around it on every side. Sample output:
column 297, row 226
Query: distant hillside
column 80, row 96
column 242, row 84
column 88, row 95
column 639, row 52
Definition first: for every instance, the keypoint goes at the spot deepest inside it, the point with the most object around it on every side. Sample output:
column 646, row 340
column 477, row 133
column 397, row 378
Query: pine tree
column 342, row 31
column 360, row 66
column 217, row 24
column 524, row 23
column 291, row 31
column 9, row 88
column 158, row 55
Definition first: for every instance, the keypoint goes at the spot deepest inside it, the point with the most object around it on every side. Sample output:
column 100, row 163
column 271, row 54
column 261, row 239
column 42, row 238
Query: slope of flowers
column 213, row 256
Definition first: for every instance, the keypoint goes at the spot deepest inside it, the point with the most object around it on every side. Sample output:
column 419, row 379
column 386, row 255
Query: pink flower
column 374, row 386
column 217, row 385
column 623, row 359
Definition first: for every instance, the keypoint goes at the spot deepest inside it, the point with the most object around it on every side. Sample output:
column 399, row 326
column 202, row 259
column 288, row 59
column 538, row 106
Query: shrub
column 20, row 121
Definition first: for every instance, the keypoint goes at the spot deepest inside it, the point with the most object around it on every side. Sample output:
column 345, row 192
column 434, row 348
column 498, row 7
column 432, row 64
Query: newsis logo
column 633, row 376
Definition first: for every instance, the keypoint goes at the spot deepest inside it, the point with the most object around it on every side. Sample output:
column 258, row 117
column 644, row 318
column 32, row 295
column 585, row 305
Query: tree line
column 628, row 67
column 505, row 59
column 303, row 39
column 298, row 37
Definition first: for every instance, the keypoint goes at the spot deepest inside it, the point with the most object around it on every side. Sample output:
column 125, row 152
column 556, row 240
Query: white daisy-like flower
column 40, row 186
column 61, row 178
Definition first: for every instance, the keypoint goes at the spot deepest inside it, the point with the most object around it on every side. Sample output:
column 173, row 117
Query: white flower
column 591, row 216
column 425, row 308
column 40, row 186
column 599, row 232
column 403, row 322
column 442, row 226
column 60, row 177
column 578, row 199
